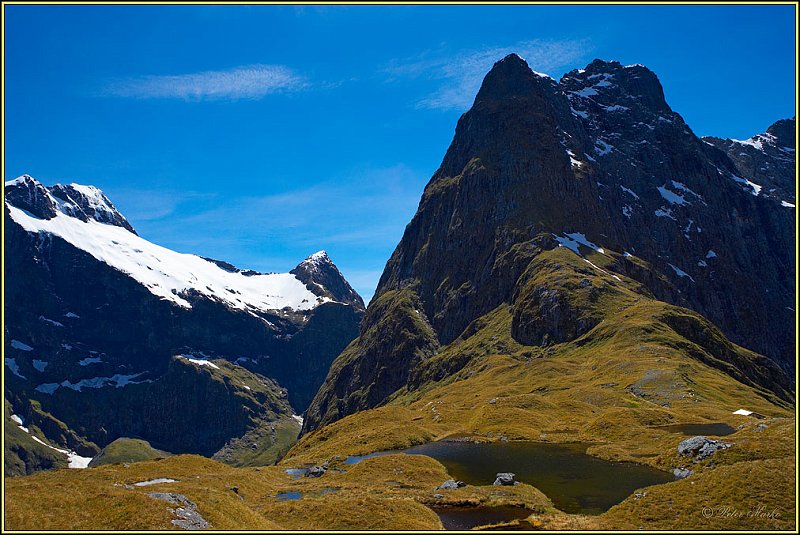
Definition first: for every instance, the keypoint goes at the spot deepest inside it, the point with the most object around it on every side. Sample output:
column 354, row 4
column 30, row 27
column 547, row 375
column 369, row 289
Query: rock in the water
column 681, row 473
column 505, row 478
column 701, row 447
column 316, row 471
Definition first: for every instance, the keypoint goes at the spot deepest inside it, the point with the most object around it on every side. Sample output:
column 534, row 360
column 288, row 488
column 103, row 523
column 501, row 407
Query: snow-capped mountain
column 85, row 218
column 96, row 315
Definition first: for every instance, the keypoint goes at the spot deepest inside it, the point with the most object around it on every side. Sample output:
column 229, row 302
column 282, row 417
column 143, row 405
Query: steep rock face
column 394, row 338
column 481, row 201
column 597, row 160
column 88, row 302
column 602, row 154
column 28, row 194
column 709, row 230
column 191, row 408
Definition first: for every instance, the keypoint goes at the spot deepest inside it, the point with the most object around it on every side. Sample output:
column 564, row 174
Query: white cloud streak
column 375, row 202
column 361, row 217
column 460, row 74
column 247, row 82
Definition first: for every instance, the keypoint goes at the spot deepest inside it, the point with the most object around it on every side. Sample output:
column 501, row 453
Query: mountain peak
column 513, row 59
column 509, row 77
column 27, row 193
column 73, row 200
column 784, row 132
column 611, row 83
column 22, row 179
column 603, row 64
column 323, row 278
column 320, row 257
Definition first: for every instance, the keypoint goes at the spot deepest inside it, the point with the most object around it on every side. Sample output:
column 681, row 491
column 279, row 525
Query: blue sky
column 261, row 134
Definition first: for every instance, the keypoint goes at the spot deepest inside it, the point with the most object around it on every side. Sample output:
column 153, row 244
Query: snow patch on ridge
column 572, row 240
column 155, row 481
column 629, row 192
column 75, row 460
column 665, row 212
column 14, row 367
column 672, row 197
column 199, row 362
column 168, row 274
column 679, row 272
column 16, row 344
column 118, row 381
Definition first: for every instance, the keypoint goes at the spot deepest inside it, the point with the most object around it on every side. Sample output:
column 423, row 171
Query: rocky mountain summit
column 598, row 163
column 766, row 160
column 109, row 335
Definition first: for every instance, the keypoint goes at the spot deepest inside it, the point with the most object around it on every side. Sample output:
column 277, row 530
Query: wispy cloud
column 371, row 204
column 142, row 205
column 357, row 217
column 460, row 74
column 246, row 82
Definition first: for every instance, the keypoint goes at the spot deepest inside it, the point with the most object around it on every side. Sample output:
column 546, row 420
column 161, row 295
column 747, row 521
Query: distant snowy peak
column 760, row 140
column 85, row 218
column 318, row 261
column 780, row 135
column 26, row 193
column 784, row 132
column 765, row 162
column 74, row 200
column 323, row 278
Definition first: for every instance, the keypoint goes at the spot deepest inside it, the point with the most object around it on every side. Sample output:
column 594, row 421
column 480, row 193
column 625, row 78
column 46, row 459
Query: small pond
column 575, row 481
column 285, row 496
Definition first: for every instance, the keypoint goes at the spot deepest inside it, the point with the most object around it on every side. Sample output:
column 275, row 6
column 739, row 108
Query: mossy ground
column 127, row 450
column 261, row 446
column 387, row 492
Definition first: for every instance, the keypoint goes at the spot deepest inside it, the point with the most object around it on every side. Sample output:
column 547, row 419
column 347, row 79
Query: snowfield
column 166, row 273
